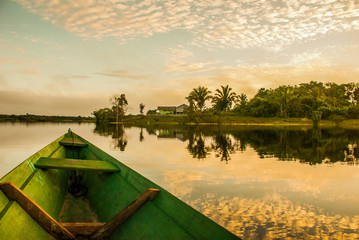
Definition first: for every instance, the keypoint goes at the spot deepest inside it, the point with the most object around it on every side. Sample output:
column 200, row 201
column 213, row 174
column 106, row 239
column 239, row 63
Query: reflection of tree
column 141, row 135
column 197, row 147
column 308, row 145
column 223, row 146
column 117, row 132
column 313, row 146
column 120, row 139
column 151, row 130
column 351, row 155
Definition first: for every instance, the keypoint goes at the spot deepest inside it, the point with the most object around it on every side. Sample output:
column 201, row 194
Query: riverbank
column 142, row 120
column 145, row 120
column 43, row 118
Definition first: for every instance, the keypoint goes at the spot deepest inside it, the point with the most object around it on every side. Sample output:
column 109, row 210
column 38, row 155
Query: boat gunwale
column 187, row 225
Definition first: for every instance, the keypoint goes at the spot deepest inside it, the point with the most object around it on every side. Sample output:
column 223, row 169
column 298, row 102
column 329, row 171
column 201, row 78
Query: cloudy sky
column 67, row 57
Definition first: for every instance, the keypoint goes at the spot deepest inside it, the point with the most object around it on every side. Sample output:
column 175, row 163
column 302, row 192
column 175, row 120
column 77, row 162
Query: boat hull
column 107, row 194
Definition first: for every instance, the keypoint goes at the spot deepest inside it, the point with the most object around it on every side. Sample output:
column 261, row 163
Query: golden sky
column 69, row 57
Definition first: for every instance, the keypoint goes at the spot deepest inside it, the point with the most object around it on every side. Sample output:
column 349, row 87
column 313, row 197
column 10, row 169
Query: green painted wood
column 76, row 142
column 76, row 210
column 166, row 217
column 76, row 164
column 111, row 226
column 17, row 224
column 35, row 211
column 47, row 189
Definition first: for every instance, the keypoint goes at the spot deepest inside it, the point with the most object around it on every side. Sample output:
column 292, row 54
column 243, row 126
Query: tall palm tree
column 283, row 95
column 198, row 97
column 224, row 98
column 242, row 98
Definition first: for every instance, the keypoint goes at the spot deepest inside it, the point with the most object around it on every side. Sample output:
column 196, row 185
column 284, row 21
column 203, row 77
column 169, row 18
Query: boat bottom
column 77, row 209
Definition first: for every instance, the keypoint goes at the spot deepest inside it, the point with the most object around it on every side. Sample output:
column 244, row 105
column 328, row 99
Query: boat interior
column 73, row 190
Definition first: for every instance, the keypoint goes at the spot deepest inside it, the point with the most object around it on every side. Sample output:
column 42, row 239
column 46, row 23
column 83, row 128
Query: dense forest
column 330, row 99
column 314, row 100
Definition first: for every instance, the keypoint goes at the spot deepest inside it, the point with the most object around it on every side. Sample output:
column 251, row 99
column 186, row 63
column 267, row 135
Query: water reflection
column 197, row 146
column 308, row 145
column 275, row 218
column 117, row 133
column 142, row 138
column 264, row 192
column 223, row 147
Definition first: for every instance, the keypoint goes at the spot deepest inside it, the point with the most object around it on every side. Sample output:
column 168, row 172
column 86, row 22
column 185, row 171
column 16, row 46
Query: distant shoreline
column 144, row 120
column 43, row 118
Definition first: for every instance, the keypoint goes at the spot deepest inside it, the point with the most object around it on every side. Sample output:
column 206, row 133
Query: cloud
column 175, row 54
column 20, row 61
column 28, row 71
column 248, row 79
column 2, row 81
column 223, row 24
column 69, row 76
column 123, row 74
column 185, row 67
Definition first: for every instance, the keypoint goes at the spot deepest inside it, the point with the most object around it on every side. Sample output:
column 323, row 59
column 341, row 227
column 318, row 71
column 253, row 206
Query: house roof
column 183, row 105
column 166, row 108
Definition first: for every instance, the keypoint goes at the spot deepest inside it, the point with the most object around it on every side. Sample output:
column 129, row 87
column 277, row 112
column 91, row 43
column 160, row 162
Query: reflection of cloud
column 272, row 24
column 273, row 217
column 177, row 178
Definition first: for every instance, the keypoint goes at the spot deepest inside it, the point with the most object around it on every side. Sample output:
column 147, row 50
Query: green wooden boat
column 73, row 190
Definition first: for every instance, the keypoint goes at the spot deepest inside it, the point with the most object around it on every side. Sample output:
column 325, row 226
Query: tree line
column 43, row 118
column 329, row 100
column 315, row 100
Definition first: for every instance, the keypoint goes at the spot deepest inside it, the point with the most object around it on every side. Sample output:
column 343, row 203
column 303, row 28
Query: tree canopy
column 315, row 100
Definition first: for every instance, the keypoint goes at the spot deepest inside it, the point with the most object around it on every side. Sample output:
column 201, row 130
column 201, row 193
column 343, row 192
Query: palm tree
column 242, row 98
column 224, row 98
column 198, row 97
column 283, row 95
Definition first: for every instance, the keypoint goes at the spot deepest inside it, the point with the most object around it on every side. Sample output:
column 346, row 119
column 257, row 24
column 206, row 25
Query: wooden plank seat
column 70, row 230
column 73, row 142
column 76, row 164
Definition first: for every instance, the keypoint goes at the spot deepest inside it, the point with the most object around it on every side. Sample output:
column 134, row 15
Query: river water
column 258, row 182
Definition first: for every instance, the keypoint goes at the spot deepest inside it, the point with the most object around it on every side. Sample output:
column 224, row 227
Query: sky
column 68, row 57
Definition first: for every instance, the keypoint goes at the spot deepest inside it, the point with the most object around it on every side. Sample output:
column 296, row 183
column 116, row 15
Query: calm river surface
column 260, row 183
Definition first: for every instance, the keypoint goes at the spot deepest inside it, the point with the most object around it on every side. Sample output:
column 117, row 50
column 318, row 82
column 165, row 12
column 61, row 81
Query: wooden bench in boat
column 70, row 230
column 76, row 164
column 73, row 142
